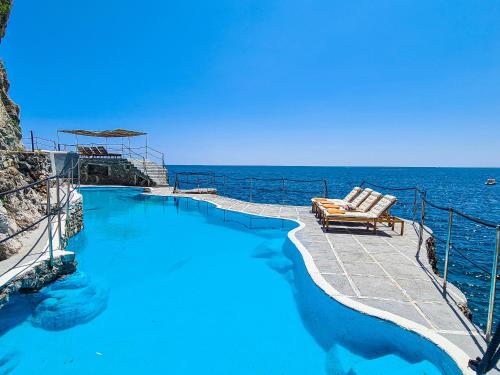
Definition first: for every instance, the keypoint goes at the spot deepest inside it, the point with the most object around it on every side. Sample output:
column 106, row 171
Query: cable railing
column 457, row 233
column 252, row 189
column 59, row 187
column 39, row 144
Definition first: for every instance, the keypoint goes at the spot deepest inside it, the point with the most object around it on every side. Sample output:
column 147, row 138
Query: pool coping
column 458, row 355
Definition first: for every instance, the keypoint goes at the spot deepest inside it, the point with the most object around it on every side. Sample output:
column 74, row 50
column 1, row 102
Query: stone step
column 156, row 172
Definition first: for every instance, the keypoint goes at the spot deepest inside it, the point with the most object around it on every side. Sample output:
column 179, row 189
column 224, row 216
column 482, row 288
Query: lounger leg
column 402, row 227
column 374, row 226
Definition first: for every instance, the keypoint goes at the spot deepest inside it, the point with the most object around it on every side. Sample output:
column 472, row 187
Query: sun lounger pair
column 366, row 206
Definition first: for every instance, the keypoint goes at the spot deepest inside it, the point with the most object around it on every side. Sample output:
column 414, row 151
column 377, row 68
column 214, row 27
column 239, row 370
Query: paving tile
column 406, row 272
column 380, row 249
column 340, row 283
column 325, row 254
column 380, row 287
column 403, row 309
column 393, row 258
column 445, row 316
column 354, row 257
column 422, row 290
column 361, row 268
column 328, row 265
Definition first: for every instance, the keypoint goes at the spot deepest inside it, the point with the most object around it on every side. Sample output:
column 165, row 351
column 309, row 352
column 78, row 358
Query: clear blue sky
column 267, row 82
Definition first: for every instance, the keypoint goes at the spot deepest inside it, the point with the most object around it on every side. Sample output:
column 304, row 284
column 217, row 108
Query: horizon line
column 333, row 166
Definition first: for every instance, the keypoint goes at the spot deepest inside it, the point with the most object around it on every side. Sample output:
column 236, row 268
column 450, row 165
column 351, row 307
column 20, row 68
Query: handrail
column 45, row 180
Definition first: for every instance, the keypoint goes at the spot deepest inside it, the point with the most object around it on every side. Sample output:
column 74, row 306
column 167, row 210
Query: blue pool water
column 173, row 286
column 462, row 188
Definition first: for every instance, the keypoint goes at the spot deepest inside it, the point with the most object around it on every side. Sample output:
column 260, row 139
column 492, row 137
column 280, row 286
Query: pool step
column 156, row 172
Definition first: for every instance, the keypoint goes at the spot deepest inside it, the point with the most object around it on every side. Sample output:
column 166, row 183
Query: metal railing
column 125, row 151
column 452, row 214
column 64, row 184
column 38, row 143
column 147, row 153
column 253, row 189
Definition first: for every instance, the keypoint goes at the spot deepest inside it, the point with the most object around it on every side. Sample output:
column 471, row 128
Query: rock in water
column 70, row 302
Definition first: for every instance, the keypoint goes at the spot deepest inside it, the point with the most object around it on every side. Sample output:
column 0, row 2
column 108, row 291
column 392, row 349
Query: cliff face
column 17, row 167
column 10, row 130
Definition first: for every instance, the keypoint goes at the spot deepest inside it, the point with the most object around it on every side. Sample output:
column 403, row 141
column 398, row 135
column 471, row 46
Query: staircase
column 156, row 172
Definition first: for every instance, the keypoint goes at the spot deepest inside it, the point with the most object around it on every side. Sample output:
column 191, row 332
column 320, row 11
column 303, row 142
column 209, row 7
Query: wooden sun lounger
column 379, row 213
column 355, row 203
column 83, row 151
column 87, row 151
column 347, row 199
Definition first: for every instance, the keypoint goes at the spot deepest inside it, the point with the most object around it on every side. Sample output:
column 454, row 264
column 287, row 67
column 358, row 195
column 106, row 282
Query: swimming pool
column 176, row 286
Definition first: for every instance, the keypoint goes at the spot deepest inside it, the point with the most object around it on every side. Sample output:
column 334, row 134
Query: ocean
column 464, row 189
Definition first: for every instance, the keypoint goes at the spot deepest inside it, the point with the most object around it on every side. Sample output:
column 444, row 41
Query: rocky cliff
column 10, row 129
column 17, row 167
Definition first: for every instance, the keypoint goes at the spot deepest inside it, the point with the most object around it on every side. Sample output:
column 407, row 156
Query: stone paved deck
column 383, row 274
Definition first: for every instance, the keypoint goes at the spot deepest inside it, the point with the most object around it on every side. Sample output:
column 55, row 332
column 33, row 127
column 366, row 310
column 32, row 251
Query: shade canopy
column 117, row 133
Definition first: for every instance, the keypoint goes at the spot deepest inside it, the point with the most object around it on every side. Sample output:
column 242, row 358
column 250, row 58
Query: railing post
column 493, row 287
column 32, row 141
column 78, row 170
column 325, row 185
column 176, row 183
column 198, row 182
column 282, row 191
column 58, row 197
column 68, row 198
column 251, row 188
column 49, row 226
column 415, row 205
column 422, row 222
column 448, row 248
column 72, row 173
